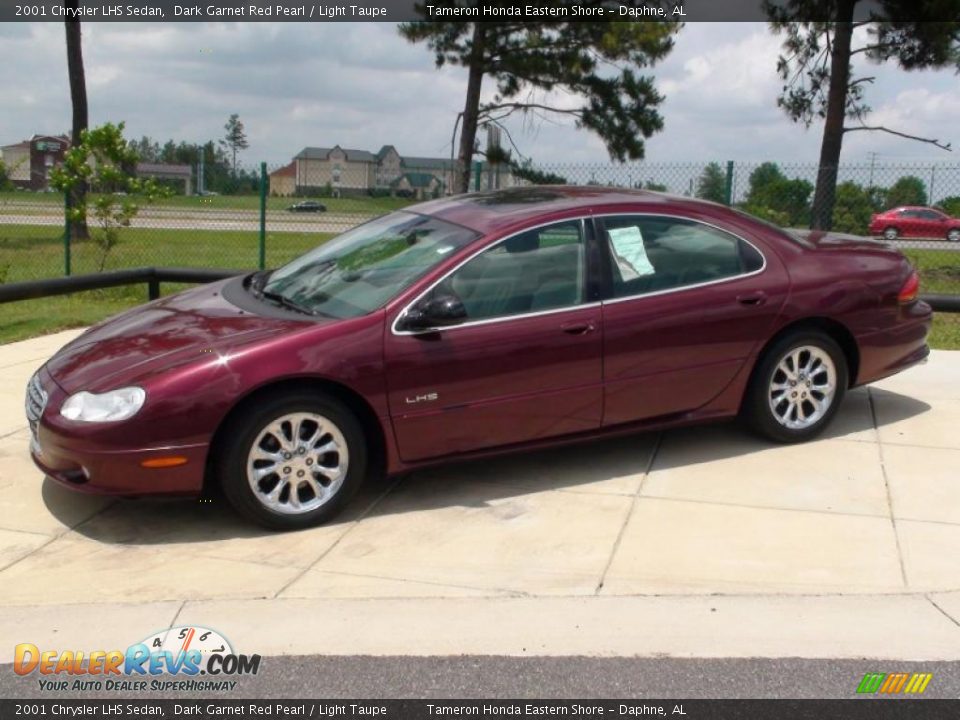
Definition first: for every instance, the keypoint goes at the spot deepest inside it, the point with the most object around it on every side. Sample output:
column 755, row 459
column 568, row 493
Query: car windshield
column 362, row 269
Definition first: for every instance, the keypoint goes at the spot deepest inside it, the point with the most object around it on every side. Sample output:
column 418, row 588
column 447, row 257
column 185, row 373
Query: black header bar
column 405, row 10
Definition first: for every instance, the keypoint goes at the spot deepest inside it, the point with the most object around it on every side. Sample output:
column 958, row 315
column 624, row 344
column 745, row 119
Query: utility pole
column 873, row 160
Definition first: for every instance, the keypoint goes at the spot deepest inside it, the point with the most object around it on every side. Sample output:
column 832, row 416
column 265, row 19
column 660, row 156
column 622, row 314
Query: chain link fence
column 257, row 215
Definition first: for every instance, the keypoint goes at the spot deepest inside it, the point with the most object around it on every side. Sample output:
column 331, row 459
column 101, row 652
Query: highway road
column 168, row 218
column 234, row 221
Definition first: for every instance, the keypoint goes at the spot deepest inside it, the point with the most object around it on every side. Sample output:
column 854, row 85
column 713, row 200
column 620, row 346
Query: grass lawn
column 30, row 252
column 939, row 270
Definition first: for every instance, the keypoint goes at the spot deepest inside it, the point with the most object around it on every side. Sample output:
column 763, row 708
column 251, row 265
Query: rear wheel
column 797, row 387
column 891, row 233
column 293, row 461
column 953, row 235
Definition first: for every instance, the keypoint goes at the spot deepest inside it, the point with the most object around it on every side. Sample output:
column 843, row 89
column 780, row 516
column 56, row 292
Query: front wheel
column 797, row 387
column 891, row 233
column 292, row 461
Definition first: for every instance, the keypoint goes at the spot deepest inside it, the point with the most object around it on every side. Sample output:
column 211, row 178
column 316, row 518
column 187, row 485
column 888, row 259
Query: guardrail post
column 728, row 187
column 153, row 287
column 263, row 215
column 66, row 233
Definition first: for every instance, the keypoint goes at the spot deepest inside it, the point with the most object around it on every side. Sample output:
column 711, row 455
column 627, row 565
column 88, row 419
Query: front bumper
column 92, row 465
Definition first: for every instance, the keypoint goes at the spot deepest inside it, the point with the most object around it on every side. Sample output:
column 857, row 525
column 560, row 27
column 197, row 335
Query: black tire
column 756, row 407
column 953, row 235
column 240, row 434
column 891, row 233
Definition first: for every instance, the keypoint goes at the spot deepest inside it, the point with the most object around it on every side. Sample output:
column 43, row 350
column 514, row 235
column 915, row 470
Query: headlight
column 108, row 407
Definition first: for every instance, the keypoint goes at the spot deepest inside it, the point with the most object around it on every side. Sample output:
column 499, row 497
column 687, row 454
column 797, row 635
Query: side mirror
column 435, row 312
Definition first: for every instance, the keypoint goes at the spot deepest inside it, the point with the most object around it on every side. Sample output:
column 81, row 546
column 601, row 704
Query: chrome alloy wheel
column 297, row 463
column 802, row 388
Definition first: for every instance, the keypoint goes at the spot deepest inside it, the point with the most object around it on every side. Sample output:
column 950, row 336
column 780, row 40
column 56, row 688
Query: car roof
column 498, row 209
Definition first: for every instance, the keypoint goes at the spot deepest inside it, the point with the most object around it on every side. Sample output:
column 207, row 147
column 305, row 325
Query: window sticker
column 630, row 253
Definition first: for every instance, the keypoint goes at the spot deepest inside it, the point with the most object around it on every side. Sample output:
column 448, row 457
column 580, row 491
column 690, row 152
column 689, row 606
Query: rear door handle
column 578, row 328
column 752, row 298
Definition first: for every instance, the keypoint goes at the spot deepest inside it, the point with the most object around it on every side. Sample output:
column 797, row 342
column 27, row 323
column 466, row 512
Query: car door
column 687, row 303
column 932, row 224
column 912, row 224
column 523, row 365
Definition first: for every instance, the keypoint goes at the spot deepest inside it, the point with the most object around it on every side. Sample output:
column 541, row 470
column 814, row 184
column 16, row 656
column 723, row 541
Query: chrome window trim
column 582, row 219
column 683, row 288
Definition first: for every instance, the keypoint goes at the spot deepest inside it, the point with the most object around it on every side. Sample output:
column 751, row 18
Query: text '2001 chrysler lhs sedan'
column 472, row 325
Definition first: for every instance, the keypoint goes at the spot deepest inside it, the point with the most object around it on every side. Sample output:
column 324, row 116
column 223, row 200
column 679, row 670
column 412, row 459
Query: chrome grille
column 35, row 403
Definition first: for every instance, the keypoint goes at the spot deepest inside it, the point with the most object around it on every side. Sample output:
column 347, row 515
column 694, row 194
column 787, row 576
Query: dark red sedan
column 915, row 222
column 470, row 325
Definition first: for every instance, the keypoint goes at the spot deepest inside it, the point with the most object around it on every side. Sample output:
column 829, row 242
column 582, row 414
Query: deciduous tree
column 821, row 39
column 712, row 183
column 103, row 162
column 908, row 190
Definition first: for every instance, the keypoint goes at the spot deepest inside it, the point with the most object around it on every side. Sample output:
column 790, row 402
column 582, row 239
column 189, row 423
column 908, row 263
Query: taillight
column 911, row 288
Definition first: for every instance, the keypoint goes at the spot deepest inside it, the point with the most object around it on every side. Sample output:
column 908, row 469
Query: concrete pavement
column 703, row 542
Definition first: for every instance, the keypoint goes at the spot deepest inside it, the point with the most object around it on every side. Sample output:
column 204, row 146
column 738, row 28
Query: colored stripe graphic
column 894, row 683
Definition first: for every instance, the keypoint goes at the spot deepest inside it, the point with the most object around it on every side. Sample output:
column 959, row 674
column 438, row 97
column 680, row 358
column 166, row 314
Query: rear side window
column 653, row 254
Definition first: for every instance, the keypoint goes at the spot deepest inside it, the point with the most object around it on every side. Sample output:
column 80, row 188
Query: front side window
column 537, row 270
column 367, row 266
column 653, row 254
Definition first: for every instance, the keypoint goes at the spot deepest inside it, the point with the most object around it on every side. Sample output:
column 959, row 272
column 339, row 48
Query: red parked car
column 915, row 222
column 467, row 326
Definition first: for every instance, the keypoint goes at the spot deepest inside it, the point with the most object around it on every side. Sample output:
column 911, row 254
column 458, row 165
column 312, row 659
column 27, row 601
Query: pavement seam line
column 13, row 432
column 947, row 615
column 886, row 484
column 346, row 532
column 508, row 592
column 626, row 520
column 58, row 536
column 814, row 511
column 822, row 595
column 4, row 528
column 176, row 615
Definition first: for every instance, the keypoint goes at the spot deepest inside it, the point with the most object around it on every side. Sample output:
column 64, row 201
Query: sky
column 362, row 86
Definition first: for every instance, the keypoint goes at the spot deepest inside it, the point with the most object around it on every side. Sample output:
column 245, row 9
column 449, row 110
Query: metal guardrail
column 152, row 276
column 943, row 303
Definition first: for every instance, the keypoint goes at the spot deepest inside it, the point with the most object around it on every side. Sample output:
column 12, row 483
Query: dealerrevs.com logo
column 188, row 651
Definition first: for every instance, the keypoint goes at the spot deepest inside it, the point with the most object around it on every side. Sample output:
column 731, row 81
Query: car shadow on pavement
column 607, row 466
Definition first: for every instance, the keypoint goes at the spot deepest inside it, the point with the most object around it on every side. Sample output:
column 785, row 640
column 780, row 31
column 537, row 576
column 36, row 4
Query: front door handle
column 578, row 328
column 758, row 297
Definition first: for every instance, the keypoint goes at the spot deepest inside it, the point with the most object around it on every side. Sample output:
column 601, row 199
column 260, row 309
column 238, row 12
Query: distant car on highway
column 915, row 222
column 307, row 206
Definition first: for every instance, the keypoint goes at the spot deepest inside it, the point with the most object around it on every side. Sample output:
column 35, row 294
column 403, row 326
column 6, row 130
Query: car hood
column 159, row 335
